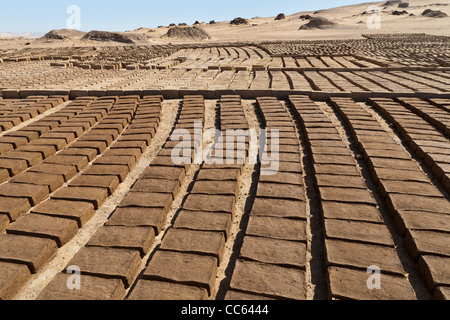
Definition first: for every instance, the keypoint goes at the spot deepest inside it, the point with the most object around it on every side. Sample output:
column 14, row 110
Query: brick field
column 87, row 178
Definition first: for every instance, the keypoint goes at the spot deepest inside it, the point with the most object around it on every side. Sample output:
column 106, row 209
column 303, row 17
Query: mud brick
column 329, row 180
column 110, row 183
column 336, row 169
column 396, row 164
column 411, row 187
column 45, row 151
column 120, row 172
column 334, row 159
column 85, row 152
column 117, row 160
column 92, row 288
column 81, row 212
column 96, row 196
column 16, row 142
column 167, row 161
column 136, row 137
column 382, row 153
column 182, row 268
column 30, row 135
column 420, row 242
column 442, row 293
column 422, row 221
column 194, row 241
column 219, row 174
column 14, row 166
column 76, row 131
column 358, row 231
column 90, row 137
column 136, row 238
column 66, row 136
column 96, row 131
column 269, row 280
column 210, row 203
column 34, row 193
column 6, row 125
column 142, row 145
column 52, row 181
column 216, row 187
column 147, row 200
column 57, row 143
column 352, row 284
column 440, row 169
column 138, row 217
column 397, row 202
column 68, row 172
column 283, row 178
column 14, row 207
column 346, row 195
column 361, row 256
column 436, row 271
column 277, row 228
column 12, row 278
column 99, row 146
column 282, row 191
column 4, row 222
column 205, row 221
column 158, row 290
column 400, row 175
column 36, row 225
column 31, row 158
column 279, row 208
column 5, row 147
column 31, row 251
column 4, row 175
column 80, row 162
column 135, row 152
column 157, row 186
column 274, row 251
column 108, row 263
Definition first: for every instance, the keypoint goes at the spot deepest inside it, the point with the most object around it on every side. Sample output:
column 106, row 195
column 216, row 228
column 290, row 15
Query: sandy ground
column 351, row 24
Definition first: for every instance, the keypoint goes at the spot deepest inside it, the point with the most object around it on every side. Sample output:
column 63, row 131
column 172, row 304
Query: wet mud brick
column 12, row 278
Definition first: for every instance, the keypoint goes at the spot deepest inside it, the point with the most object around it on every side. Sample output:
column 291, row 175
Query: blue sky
column 44, row 15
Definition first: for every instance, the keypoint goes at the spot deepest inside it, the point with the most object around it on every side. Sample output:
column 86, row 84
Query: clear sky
column 44, row 15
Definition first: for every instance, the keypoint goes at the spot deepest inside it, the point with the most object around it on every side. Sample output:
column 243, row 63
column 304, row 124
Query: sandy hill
column 347, row 22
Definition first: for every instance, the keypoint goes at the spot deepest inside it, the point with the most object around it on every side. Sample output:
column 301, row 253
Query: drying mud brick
column 34, row 193
column 14, row 207
column 136, row 238
column 12, row 278
column 96, row 196
column 206, row 221
column 277, row 228
column 36, row 225
column 352, row 284
column 193, row 241
column 108, row 263
column 81, row 212
column 138, row 217
column 279, row 208
column 184, row 268
column 147, row 200
column 269, row 280
column 110, row 183
column 30, row 251
column 435, row 270
column 362, row 255
column 92, row 288
column 274, row 251
column 213, row 203
column 158, row 290
column 421, row 242
column 358, row 231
